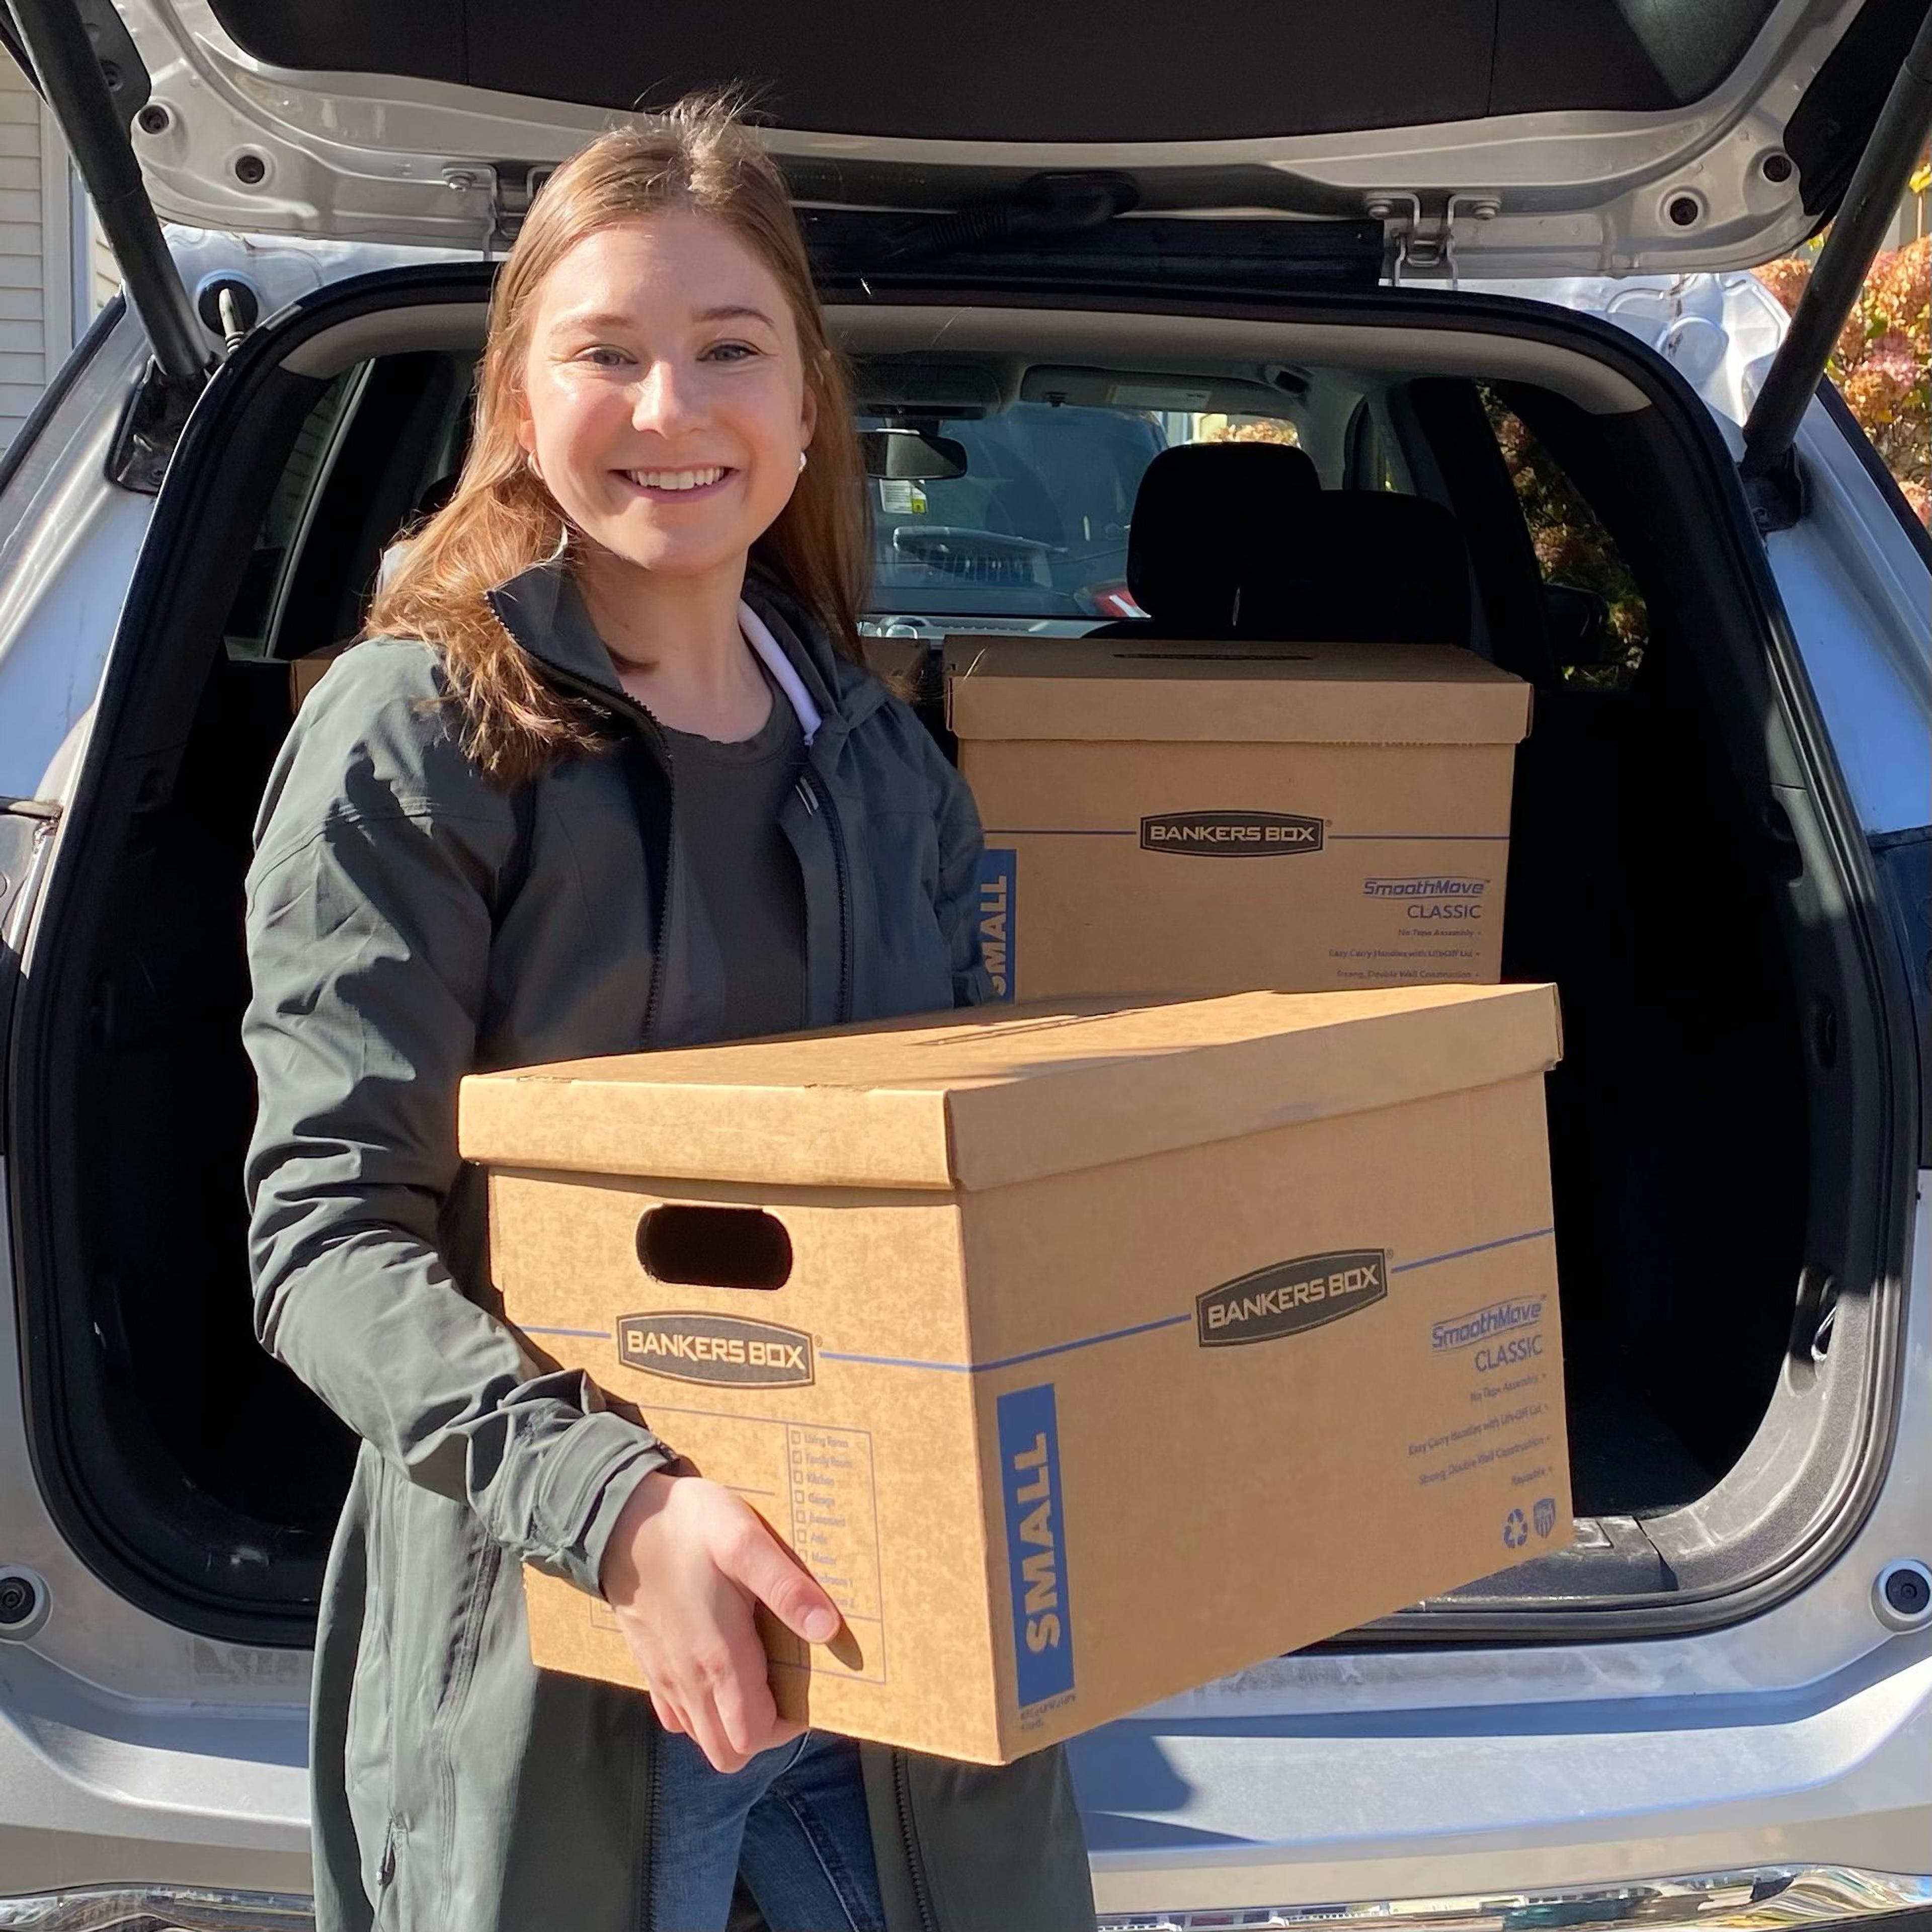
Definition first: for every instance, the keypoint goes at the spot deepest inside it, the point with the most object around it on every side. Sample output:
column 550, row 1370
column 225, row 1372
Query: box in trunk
column 1084, row 1354
column 1201, row 818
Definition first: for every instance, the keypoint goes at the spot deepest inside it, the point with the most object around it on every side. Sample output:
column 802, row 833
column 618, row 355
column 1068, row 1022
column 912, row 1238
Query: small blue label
column 1036, row 1543
column 999, row 871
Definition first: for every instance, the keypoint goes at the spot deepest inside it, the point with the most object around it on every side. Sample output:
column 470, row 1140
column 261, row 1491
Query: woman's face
column 664, row 398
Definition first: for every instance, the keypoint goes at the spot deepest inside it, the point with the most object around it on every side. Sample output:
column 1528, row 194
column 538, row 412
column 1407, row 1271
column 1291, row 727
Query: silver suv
column 1480, row 252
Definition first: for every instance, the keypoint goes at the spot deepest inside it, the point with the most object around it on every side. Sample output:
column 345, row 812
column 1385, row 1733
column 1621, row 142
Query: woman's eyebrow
column 731, row 311
column 618, row 318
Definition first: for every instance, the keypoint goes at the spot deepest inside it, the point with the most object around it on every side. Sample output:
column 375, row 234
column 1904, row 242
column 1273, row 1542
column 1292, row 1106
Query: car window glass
column 250, row 632
column 1599, row 621
column 1037, row 527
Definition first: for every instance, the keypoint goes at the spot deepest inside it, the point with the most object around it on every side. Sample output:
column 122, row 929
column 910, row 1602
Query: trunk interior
column 1665, row 871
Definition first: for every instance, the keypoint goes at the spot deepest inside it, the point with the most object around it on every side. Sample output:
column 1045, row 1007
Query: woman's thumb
column 770, row 1571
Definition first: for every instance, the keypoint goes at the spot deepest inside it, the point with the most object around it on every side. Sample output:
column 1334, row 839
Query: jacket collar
column 542, row 609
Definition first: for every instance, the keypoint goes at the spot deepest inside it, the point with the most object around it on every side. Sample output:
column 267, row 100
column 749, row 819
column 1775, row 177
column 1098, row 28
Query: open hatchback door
column 1504, row 137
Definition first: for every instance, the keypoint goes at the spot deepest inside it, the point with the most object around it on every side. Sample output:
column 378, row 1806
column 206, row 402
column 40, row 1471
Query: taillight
column 1112, row 600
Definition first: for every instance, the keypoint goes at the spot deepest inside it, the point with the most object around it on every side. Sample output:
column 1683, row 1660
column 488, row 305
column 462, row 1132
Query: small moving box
column 1178, row 817
column 1084, row 1355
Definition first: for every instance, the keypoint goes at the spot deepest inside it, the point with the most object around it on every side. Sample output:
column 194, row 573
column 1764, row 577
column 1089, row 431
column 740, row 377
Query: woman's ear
column 524, row 428
column 808, row 417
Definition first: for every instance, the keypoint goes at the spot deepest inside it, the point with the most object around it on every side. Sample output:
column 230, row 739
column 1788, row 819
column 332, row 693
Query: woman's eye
column 602, row 356
column 729, row 352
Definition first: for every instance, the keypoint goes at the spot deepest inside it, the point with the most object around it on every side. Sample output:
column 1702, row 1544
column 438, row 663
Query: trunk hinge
column 511, row 186
column 1769, row 465
column 1420, row 239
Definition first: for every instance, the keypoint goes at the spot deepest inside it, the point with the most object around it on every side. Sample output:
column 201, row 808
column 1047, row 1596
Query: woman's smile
column 664, row 403
column 691, row 485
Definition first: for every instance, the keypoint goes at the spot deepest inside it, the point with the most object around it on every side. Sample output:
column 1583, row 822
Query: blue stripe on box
column 996, row 894
column 1029, row 1433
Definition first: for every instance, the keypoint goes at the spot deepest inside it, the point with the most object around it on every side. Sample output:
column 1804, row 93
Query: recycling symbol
column 1516, row 1530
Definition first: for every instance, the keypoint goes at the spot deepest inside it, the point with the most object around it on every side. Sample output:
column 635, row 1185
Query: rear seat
column 1238, row 540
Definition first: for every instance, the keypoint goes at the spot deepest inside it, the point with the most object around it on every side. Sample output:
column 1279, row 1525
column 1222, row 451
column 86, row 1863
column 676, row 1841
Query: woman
column 604, row 773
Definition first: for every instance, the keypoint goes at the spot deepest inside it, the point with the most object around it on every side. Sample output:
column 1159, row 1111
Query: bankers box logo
column 1287, row 1296
column 720, row 1349
column 1231, row 835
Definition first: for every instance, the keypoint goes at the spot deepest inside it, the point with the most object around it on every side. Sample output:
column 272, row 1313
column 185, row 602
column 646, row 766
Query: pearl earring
column 801, row 459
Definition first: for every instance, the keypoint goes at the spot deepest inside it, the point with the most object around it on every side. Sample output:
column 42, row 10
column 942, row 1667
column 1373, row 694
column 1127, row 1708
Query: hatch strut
column 70, row 78
column 1768, row 466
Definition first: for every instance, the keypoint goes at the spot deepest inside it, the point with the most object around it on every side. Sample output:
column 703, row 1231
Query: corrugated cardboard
column 1114, row 1350
column 305, row 672
column 1200, row 818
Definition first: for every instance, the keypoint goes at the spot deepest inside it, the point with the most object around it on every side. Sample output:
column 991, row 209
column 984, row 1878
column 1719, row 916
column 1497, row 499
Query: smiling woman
column 656, row 322
column 602, row 775
column 663, row 403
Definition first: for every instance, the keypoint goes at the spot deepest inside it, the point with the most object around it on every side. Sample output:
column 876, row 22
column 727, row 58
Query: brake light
column 1112, row 600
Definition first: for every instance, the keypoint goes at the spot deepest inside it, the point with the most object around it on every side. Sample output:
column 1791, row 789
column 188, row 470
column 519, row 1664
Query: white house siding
column 106, row 272
column 51, row 283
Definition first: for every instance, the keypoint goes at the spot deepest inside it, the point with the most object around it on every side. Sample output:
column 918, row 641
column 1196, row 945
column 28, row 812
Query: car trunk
column 1722, row 1126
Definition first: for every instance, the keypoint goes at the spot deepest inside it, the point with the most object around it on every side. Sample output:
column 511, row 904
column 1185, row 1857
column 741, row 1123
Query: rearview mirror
column 911, row 455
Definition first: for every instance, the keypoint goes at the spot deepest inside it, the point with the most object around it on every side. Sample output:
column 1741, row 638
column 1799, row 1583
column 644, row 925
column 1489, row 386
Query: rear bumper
column 1789, row 1899
column 1195, row 1813
column 1780, row 1901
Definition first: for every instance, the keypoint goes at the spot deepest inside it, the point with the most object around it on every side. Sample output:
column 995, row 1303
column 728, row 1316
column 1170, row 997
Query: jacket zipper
column 653, row 1737
column 922, row 1892
column 463, row 1670
column 653, row 999
column 816, row 800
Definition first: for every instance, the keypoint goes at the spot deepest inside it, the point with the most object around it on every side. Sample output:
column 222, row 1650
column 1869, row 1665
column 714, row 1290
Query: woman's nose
column 667, row 399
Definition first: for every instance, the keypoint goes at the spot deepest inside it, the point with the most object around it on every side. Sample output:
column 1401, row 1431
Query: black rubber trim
column 1904, row 863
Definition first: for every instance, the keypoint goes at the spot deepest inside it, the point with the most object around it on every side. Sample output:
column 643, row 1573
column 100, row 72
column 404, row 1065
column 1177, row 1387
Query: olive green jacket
column 408, row 923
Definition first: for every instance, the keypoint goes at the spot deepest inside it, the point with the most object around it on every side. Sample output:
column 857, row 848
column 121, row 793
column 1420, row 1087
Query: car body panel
column 385, row 156
column 132, row 1750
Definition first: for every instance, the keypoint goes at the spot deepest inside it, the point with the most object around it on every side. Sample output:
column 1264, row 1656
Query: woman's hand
column 684, row 1565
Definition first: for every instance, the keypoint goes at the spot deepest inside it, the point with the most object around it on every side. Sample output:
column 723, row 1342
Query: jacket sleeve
column 957, row 902
column 368, row 936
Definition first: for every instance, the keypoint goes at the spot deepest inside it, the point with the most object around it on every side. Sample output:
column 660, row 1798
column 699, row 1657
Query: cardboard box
column 1166, row 817
column 305, row 672
column 1100, row 1353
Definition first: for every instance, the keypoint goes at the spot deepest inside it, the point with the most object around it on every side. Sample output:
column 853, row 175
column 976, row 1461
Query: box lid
column 1085, row 688
column 981, row 1099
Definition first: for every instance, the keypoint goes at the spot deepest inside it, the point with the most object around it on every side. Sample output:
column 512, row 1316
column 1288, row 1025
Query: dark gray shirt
column 745, row 872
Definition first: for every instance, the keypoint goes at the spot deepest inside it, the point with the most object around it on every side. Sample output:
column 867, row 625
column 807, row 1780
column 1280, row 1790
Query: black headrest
column 1207, row 524
column 1368, row 566
column 1237, row 539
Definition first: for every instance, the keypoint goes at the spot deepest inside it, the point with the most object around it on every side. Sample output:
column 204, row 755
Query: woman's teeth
column 674, row 479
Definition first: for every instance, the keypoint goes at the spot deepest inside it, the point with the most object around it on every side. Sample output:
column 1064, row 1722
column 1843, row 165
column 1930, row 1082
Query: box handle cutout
column 715, row 1247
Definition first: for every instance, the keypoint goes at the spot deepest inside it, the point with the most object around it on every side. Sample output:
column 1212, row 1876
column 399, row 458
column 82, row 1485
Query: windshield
column 1037, row 527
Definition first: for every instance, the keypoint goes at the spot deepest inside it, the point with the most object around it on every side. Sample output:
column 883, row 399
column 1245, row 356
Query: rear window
column 1037, row 526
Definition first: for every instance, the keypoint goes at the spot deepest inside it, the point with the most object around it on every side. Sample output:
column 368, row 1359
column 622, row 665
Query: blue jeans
column 792, row 1821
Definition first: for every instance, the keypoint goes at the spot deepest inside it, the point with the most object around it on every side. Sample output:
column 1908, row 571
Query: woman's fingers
column 695, row 1561
column 710, row 1728
column 761, row 1566
column 738, row 1681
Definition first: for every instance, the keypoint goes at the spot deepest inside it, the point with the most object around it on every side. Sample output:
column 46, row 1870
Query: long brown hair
column 501, row 519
